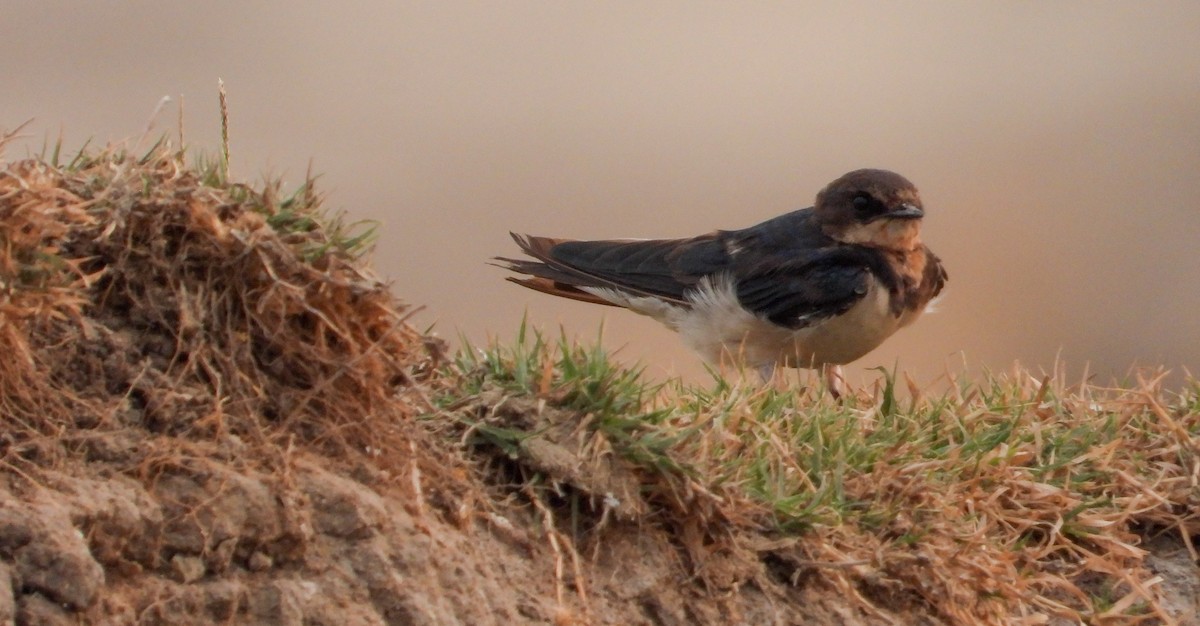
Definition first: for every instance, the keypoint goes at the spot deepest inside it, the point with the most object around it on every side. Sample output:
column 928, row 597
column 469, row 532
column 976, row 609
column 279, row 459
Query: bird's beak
column 905, row 212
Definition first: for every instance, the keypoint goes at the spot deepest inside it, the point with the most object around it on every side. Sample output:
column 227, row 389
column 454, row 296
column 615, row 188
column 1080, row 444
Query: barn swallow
column 817, row 287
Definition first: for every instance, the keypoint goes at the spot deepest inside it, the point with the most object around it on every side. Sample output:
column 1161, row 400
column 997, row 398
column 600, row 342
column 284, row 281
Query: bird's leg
column 834, row 381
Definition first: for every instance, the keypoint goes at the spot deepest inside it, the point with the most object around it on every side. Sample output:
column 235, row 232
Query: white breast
column 846, row 337
column 717, row 326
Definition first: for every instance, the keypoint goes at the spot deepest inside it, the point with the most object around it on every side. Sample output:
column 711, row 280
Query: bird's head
column 871, row 207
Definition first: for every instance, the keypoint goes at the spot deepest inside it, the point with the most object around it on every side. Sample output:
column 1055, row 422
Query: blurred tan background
column 1057, row 145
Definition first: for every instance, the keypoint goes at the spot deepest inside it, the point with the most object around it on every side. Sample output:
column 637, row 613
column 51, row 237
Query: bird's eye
column 865, row 205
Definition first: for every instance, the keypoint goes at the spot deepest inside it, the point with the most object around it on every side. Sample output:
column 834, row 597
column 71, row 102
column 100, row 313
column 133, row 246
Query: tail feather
column 546, row 266
column 561, row 290
column 664, row 269
column 548, row 275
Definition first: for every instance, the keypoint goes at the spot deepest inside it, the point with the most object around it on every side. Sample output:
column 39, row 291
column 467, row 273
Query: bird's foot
column 835, row 382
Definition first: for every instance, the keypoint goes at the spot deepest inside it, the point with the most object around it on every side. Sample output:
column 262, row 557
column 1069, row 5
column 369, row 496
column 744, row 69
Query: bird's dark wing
column 789, row 233
column 661, row 268
column 799, row 290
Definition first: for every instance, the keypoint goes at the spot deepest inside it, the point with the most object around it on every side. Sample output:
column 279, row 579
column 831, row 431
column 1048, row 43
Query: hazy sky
column 1056, row 144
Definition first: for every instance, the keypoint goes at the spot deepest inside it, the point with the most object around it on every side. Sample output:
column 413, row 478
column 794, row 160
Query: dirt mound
column 204, row 395
column 214, row 413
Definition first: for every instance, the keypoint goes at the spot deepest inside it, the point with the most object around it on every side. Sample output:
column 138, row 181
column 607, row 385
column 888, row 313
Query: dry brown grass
column 142, row 293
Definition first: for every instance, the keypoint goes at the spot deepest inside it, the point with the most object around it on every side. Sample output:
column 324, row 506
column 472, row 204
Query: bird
column 817, row 287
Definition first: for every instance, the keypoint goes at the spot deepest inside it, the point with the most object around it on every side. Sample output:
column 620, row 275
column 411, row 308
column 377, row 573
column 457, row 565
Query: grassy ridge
column 1009, row 496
